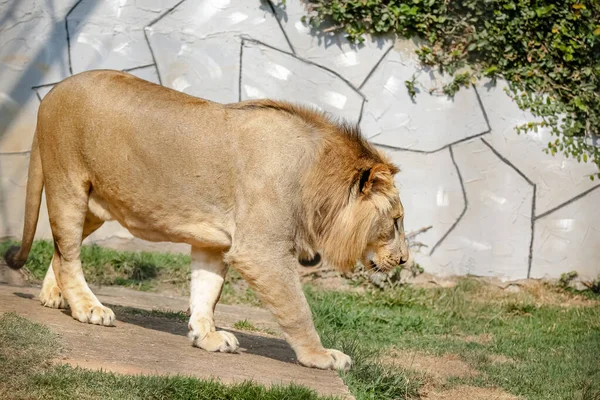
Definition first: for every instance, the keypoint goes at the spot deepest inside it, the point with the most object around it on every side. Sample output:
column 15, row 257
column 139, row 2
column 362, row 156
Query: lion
column 259, row 186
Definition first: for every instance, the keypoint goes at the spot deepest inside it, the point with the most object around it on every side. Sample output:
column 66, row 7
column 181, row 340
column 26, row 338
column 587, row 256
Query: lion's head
column 382, row 210
column 352, row 208
column 370, row 226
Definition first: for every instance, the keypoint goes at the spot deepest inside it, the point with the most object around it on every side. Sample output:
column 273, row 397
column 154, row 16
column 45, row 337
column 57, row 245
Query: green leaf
column 580, row 104
column 546, row 50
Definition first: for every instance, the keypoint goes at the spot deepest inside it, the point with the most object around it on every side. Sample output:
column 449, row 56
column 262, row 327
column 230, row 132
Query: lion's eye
column 396, row 222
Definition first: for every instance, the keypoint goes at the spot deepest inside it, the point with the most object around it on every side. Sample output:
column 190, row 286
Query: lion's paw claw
column 52, row 298
column 222, row 341
column 327, row 359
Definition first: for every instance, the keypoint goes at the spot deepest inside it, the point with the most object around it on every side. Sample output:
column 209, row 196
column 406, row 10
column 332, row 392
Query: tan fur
column 254, row 185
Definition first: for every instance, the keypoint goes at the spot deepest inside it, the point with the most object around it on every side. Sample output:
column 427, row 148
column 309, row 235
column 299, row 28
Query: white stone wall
column 498, row 205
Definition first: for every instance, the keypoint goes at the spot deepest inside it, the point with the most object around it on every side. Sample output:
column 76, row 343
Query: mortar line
column 306, row 61
column 466, row 201
column 69, row 36
column 530, row 260
column 507, row 162
column 566, row 203
column 372, row 71
column 287, row 39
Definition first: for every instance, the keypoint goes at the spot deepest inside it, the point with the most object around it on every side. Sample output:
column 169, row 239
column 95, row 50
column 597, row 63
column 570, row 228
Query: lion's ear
column 372, row 178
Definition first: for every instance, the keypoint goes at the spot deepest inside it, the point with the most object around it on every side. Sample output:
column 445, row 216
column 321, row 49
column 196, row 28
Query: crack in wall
column 386, row 146
column 566, row 203
column 140, row 67
column 465, row 200
column 169, row 11
column 306, row 61
column 152, row 55
column 545, row 213
column 375, row 67
column 530, row 258
column 485, row 116
column 507, row 162
column 240, row 77
column 44, row 85
column 145, row 29
column 287, row 39
column 69, row 36
column 362, row 109
column 533, row 199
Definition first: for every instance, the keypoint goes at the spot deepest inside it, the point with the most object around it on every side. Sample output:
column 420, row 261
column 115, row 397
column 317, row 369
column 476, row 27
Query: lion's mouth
column 372, row 266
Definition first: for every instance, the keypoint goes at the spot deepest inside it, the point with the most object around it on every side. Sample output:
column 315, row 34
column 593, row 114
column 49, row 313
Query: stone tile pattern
column 498, row 206
column 428, row 122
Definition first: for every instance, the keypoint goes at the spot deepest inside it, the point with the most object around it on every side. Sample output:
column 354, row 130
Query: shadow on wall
column 16, row 97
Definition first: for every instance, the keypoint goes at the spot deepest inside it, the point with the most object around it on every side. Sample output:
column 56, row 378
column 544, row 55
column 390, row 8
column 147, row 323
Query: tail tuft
column 11, row 258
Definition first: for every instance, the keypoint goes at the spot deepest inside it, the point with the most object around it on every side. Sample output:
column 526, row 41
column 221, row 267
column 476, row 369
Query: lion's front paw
column 327, row 359
column 52, row 297
column 222, row 341
column 95, row 314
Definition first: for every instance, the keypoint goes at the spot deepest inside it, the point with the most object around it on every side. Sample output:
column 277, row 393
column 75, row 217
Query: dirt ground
column 437, row 370
column 142, row 343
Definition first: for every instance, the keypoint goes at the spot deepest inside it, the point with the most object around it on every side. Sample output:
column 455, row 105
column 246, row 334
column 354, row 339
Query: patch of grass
column 370, row 379
column 25, row 372
column 245, row 325
column 147, row 271
column 25, row 348
column 174, row 315
column 555, row 347
column 237, row 291
column 65, row 382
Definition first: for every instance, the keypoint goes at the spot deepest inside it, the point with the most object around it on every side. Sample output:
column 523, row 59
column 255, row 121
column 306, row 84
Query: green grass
column 174, row 315
column 556, row 349
column 551, row 336
column 26, row 349
column 245, row 325
column 147, row 271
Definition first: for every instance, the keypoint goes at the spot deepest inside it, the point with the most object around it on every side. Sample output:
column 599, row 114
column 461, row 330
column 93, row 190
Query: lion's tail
column 16, row 256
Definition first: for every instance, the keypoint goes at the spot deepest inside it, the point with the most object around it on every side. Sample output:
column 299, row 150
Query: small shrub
column 593, row 285
column 566, row 278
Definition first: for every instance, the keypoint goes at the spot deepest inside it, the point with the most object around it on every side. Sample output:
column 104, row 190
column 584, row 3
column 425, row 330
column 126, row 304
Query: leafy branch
column 548, row 51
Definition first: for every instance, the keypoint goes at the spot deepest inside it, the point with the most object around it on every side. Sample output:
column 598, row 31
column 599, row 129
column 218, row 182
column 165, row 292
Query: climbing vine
column 548, row 51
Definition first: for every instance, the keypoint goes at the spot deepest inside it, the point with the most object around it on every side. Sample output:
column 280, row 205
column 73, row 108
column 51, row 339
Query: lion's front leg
column 277, row 283
column 208, row 275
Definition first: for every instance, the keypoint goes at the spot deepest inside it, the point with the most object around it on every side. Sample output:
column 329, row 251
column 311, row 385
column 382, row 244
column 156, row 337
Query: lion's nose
column 403, row 260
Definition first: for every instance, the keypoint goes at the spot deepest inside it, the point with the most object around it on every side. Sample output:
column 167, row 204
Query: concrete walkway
column 145, row 344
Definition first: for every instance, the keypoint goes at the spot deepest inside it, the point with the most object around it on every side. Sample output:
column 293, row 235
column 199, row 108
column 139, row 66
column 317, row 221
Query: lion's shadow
column 176, row 324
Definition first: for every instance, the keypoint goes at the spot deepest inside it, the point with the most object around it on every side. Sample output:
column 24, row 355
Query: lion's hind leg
column 51, row 295
column 208, row 275
column 67, row 200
